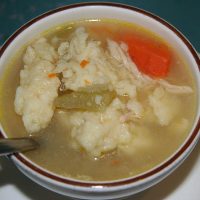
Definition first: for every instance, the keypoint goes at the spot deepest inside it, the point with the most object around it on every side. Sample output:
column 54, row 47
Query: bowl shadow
column 10, row 175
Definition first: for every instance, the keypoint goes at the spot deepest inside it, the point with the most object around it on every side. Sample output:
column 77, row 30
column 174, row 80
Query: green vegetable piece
column 90, row 101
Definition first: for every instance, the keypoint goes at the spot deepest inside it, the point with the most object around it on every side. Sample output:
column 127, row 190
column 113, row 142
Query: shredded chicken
column 120, row 53
column 175, row 89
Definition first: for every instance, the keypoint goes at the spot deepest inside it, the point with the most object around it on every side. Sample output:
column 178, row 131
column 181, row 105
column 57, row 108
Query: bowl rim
column 120, row 182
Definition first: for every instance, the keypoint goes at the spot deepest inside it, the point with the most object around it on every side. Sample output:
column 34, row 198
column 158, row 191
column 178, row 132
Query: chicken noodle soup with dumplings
column 107, row 99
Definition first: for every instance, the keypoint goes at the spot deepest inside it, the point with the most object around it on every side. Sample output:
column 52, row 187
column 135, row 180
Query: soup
column 106, row 99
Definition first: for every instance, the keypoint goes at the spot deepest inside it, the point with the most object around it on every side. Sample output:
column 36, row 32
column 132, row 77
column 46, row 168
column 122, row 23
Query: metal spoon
column 14, row 145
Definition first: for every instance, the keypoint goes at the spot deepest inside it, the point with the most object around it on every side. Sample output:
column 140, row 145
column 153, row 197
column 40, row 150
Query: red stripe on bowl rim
column 130, row 180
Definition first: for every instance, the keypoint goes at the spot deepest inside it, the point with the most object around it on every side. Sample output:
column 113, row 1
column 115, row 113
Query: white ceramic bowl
column 128, row 186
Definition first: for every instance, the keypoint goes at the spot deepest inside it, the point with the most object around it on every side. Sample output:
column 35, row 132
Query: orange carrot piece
column 83, row 63
column 151, row 58
column 52, row 75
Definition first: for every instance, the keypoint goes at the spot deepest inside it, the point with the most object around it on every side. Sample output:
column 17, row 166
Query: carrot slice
column 83, row 63
column 52, row 75
column 151, row 58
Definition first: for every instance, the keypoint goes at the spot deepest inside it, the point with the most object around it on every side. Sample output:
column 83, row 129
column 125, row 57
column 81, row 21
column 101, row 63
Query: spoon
column 13, row 145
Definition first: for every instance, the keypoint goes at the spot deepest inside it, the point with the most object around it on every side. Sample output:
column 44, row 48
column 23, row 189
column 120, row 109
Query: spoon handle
column 13, row 145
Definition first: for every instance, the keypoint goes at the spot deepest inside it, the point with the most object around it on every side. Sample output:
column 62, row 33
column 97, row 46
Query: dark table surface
column 183, row 14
